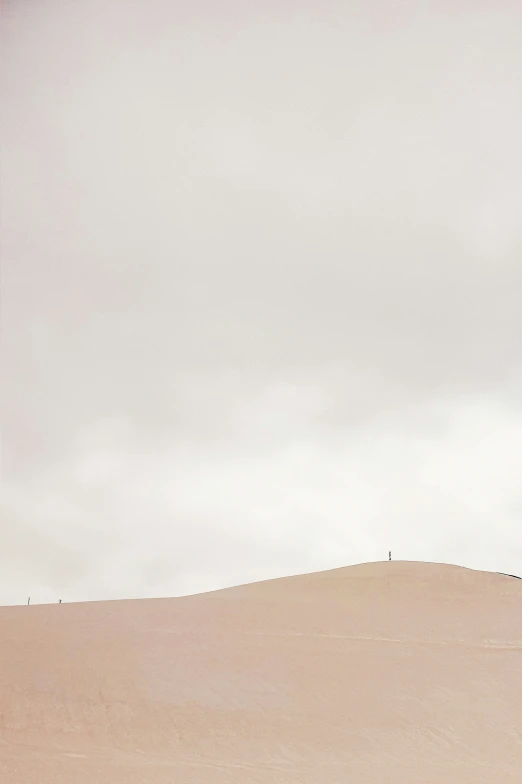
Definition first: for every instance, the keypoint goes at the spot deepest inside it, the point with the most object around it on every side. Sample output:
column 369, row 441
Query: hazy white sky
column 261, row 290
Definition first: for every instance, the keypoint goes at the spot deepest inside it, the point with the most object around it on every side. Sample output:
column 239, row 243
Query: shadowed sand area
column 384, row 673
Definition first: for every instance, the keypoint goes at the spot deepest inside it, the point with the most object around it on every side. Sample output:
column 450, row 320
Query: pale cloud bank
column 261, row 291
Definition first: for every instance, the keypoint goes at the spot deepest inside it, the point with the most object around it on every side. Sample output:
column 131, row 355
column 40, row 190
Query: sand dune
column 382, row 673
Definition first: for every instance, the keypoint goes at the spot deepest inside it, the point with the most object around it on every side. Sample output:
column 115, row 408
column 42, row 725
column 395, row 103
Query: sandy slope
column 380, row 673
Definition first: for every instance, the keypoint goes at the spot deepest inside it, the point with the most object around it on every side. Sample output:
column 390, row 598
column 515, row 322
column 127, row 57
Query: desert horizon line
column 264, row 580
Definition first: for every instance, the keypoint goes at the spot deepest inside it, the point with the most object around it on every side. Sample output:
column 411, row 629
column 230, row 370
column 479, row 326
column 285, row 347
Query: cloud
column 441, row 482
column 259, row 266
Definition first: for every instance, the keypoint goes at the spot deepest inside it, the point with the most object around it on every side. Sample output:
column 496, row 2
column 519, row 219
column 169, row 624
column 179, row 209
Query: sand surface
column 385, row 673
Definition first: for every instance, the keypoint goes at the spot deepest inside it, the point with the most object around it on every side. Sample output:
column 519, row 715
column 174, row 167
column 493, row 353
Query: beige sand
column 384, row 673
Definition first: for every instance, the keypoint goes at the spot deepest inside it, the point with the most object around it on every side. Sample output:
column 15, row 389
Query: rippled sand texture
column 384, row 673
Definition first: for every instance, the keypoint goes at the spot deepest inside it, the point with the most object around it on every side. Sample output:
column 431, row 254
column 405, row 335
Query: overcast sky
column 261, row 290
